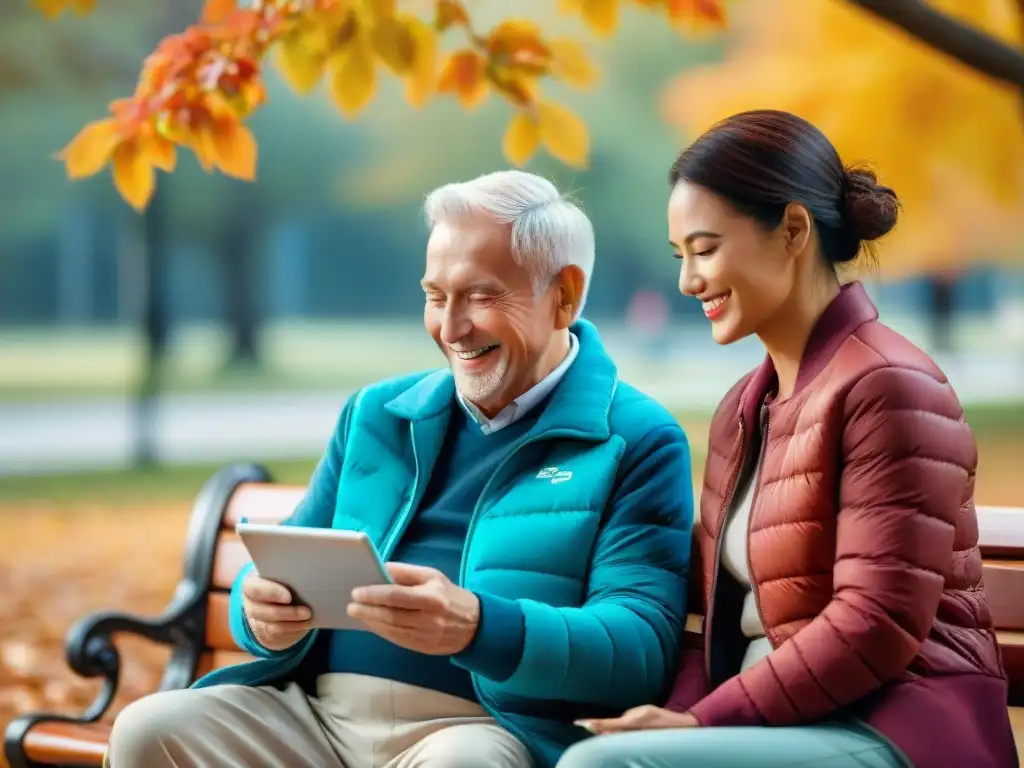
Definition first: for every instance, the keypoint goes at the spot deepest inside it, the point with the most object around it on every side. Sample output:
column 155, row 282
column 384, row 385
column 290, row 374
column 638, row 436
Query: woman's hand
column 645, row 718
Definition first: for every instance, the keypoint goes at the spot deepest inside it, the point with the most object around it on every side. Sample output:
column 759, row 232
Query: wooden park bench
column 195, row 624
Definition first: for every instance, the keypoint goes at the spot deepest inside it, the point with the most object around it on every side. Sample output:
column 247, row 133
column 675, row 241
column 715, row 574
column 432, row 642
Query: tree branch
column 978, row 50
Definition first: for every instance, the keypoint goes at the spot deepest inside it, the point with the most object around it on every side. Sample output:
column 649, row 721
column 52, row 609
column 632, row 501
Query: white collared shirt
column 527, row 401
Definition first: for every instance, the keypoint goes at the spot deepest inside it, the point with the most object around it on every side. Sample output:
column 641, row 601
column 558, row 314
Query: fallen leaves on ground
column 61, row 564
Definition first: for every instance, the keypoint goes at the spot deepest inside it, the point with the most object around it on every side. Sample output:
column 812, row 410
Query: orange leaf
column 569, row 62
column 354, row 81
column 564, row 134
column 134, row 176
column 83, row 7
column 91, row 149
column 697, row 14
column 450, row 13
column 50, row 8
column 602, row 16
column 215, row 11
column 162, row 153
column 423, row 78
column 204, row 144
column 465, row 75
column 236, row 150
column 522, row 137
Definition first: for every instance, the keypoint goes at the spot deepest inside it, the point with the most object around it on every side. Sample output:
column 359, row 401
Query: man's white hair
column 549, row 230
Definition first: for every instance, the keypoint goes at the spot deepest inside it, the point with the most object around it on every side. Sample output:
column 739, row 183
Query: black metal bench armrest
column 90, row 649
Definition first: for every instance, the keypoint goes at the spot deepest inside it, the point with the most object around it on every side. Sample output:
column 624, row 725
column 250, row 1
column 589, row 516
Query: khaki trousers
column 355, row 721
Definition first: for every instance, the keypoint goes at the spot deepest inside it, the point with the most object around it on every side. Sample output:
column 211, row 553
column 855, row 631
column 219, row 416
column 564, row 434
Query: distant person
column 536, row 512
column 846, row 623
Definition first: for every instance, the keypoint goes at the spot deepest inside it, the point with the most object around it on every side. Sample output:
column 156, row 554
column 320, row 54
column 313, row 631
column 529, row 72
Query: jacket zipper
column 724, row 514
column 750, row 517
column 406, row 514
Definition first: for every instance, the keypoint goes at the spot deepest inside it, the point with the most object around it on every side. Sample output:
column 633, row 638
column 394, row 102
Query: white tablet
column 321, row 566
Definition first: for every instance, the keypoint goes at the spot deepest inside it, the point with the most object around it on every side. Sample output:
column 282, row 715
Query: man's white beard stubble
column 481, row 387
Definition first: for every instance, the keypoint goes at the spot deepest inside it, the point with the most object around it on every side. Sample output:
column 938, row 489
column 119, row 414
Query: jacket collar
column 847, row 312
column 579, row 405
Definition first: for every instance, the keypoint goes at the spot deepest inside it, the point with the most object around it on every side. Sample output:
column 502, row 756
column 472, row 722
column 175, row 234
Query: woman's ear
column 797, row 228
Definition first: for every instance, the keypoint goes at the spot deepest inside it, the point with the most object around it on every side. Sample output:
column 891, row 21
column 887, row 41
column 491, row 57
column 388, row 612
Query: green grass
column 180, row 483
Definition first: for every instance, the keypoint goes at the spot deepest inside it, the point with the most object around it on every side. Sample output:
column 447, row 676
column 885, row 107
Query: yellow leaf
column 379, row 9
column 602, row 16
column 465, row 75
column 420, row 83
column 522, row 137
column 354, row 81
column 215, row 11
column 301, row 64
column 569, row 62
column 570, row 6
column 91, row 149
column 236, row 150
column 564, row 134
column 395, row 43
column 134, row 176
column 449, row 14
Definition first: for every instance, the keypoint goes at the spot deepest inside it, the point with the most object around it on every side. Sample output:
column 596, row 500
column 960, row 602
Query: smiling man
column 535, row 512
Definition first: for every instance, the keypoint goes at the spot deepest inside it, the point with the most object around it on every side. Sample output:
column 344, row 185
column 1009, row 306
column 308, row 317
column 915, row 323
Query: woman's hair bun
column 871, row 208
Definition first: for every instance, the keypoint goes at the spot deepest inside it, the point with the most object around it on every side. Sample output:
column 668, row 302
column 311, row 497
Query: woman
column 838, row 536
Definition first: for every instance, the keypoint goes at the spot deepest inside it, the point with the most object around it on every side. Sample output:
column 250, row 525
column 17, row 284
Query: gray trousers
column 355, row 721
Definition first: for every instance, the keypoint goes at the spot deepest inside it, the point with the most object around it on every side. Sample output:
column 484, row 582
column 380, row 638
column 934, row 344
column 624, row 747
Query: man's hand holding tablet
column 275, row 620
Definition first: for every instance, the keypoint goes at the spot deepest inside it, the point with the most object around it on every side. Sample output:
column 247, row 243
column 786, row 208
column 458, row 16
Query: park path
column 43, row 437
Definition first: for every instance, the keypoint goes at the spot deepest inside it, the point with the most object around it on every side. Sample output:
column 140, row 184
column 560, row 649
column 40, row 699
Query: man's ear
column 797, row 228
column 570, row 282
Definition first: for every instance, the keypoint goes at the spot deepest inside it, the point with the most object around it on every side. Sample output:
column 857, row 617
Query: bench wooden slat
column 262, row 503
column 56, row 743
column 218, row 629
column 231, row 556
column 1004, row 587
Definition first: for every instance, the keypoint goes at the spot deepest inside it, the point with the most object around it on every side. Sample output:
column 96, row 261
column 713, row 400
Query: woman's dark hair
column 760, row 161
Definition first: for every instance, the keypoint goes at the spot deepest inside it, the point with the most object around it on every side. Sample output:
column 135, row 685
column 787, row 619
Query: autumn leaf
column 518, row 43
column 569, row 62
column 602, row 16
column 449, row 13
column 236, row 151
column 53, row 8
column 299, row 62
column 204, row 144
column 522, row 137
column 563, row 134
column 355, row 80
column 134, row 177
column 394, row 42
column 570, row 6
column 464, row 74
column 697, row 15
column 215, row 11
column 161, row 152
column 420, row 83
column 91, row 149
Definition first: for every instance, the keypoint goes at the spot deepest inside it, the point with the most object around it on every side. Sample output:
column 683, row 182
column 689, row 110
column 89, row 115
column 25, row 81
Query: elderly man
column 535, row 512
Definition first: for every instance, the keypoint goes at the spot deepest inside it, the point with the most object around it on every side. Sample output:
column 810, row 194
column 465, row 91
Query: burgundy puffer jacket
column 862, row 549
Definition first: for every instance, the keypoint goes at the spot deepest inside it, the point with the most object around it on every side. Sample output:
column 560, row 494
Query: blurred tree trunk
column 156, row 324
column 237, row 254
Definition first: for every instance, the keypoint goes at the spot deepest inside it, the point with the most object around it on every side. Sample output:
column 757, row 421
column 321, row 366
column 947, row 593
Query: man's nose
column 455, row 324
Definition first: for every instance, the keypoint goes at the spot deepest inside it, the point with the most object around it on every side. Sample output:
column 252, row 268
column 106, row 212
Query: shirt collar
column 527, row 401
